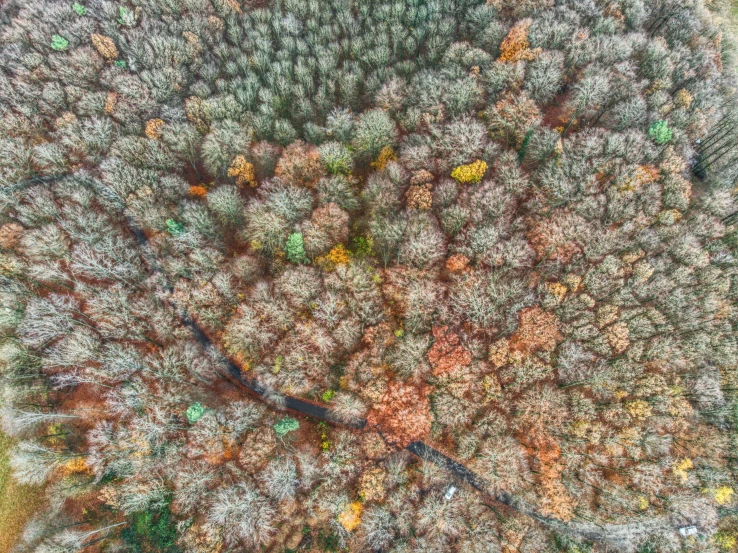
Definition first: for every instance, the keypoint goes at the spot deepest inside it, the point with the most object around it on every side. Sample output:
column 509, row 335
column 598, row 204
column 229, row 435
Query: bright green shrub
column 195, row 412
column 174, row 228
column 285, row 425
column 659, row 132
column 296, row 248
column 59, row 42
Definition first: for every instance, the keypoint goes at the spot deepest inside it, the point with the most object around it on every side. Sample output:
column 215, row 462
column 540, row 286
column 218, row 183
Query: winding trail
column 617, row 536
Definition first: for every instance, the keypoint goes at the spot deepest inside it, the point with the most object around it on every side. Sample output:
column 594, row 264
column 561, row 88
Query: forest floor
column 17, row 502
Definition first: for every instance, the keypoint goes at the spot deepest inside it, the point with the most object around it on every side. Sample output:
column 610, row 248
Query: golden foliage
column 680, row 468
column 723, row 495
column 350, row 518
column 338, row 255
column 243, row 171
column 111, row 100
column 105, row 46
column 515, row 46
column 499, row 353
column 77, row 465
column 386, row 155
column 232, row 4
column 471, row 173
column 638, row 409
column 557, row 290
column 153, row 128
column 683, row 98
column 726, row 541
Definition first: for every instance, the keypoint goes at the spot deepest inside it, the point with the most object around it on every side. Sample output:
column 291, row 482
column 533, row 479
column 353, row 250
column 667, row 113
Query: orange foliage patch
column 644, row 174
column 555, row 501
column 515, row 45
column 403, row 414
column 350, row 518
column 198, row 191
column 234, row 5
column 457, row 263
column 447, row 354
column 537, row 330
column 111, row 100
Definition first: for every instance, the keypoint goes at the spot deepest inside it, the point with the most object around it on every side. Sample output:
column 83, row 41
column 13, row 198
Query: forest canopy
column 392, row 276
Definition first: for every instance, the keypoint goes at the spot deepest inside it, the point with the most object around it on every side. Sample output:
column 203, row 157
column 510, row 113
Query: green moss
column 79, row 9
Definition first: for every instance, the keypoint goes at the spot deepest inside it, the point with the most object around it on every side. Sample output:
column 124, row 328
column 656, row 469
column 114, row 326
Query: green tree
column 59, row 42
column 296, row 248
column 285, row 425
column 659, row 132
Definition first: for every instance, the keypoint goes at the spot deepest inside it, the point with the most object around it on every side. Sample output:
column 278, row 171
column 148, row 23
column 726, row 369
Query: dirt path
column 614, row 535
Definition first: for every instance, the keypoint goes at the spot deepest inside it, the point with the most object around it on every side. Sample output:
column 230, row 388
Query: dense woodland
column 507, row 230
